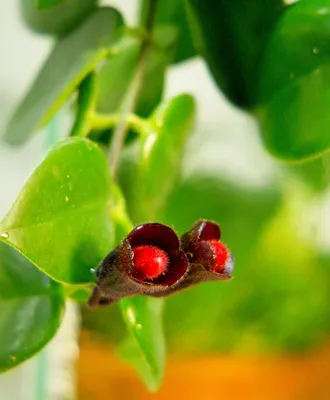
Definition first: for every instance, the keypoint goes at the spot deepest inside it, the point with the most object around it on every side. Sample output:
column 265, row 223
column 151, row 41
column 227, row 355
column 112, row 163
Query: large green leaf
column 60, row 220
column 172, row 12
column 56, row 17
column 149, row 177
column 146, row 349
column 295, row 81
column 117, row 73
column 231, row 35
column 73, row 57
column 31, row 308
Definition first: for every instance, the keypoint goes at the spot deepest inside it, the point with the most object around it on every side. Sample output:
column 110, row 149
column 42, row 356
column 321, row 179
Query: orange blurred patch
column 104, row 376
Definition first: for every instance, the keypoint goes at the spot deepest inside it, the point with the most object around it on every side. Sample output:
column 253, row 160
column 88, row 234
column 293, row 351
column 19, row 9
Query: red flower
column 148, row 261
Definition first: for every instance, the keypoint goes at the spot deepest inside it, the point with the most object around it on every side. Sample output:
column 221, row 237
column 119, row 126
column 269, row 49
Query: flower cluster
column 152, row 260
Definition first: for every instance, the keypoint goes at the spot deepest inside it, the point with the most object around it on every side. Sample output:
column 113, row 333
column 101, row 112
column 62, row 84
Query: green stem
column 108, row 121
column 129, row 102
column 85, row 105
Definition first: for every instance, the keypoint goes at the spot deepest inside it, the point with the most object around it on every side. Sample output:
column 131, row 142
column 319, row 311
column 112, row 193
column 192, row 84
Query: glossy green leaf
column 173, row 13
column 31, row 308
column 117, row 73
column 146, row 349
column 121, row 227
column 149, row 181
column 231, row 35
column 56, row 17
column 294, row 86
column 71, row 60
column 60, row 220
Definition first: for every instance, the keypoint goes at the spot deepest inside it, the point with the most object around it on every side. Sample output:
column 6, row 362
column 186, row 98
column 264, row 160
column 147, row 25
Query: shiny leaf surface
column 145, row 350
column 31, row 308
column 60, row 220
column 231, row 35
column 294, row 87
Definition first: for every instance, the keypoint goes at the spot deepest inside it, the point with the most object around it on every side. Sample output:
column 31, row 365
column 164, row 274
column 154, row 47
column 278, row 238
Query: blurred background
column 265, row 334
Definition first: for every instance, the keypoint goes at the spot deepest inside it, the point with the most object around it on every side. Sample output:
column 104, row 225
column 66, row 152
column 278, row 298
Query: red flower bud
column 209, row 258
column 203, row 247
column 148, row 261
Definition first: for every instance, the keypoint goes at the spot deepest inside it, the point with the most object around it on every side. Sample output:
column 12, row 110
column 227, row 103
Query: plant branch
column 132, row 93
column 86, row 100
column 107, row 121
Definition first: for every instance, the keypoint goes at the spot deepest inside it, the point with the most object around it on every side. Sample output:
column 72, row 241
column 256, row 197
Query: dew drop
column 66, row 198
column 138, row 326
column 4, row 235
column 92, row 270
column 316, row 50
column 131, row 315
